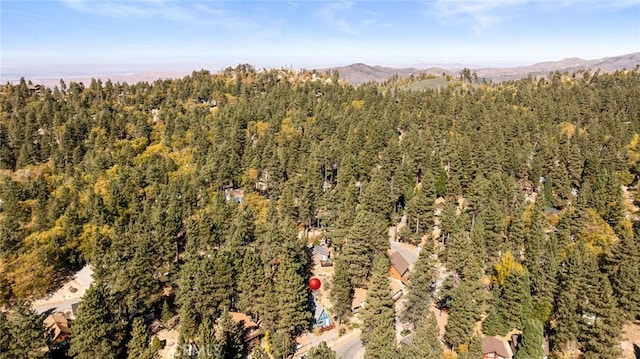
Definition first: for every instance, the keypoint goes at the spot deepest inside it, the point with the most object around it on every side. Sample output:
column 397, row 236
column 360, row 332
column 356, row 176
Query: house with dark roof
column 494, row 348
column 321, row 255
column 34, row 88
column 399, row 268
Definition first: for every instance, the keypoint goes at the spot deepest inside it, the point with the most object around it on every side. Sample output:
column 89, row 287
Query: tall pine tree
column 341, row 290
column 138, row 346
column 601, row 336
column 421, row 286
column 95, row 326
column 25, row 334
column 532, row 337
column 426, row 342
column 322, row 351
column 292, row 298
column 378, row 334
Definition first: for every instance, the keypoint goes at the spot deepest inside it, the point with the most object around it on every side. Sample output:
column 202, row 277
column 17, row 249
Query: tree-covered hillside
column 136, row 179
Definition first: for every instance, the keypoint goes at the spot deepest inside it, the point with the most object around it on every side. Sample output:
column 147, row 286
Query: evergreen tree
column 215, row 280
column 346, row 209
column 449, row 224
column 477, row 246
column 420, row 209
column 575, row 165
column 251, row 278
column 532, row 337
column 458, row 256
column 546, row 281
column 309, row 197
column 25, row 335
column 187, row 296
column 421, row 286
column 165, row 314
column 267, row 312
column 467, row 303
column 95, row 326
column 341, row 290
column 322, row 351
column 494, row 324
column 292, row 298
column 516, row 231
column 231, row 337
column 624, row 271
column 561, row 185
column 364, row 239
column 134, row 284
column 7, row 338
column 575, row 280
column 281, row 346
column 547, row 191
column 475, row 347
column 441, row 183
column 378, row 334
column 206, row 342
column 601, row 338
column 376, row 197
column 514, row 304
column 463, row 316
column 242, row 231
column 13, row 213
column 492, row 217
column 287, row 206
column 426, row 342
column 138, row 346
column 259, row 353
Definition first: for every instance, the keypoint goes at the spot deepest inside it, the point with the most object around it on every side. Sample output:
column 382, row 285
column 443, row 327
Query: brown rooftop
column 494, row 345
column 241, row 317
column 57, row 326
column 359, row 296
column 399, row 263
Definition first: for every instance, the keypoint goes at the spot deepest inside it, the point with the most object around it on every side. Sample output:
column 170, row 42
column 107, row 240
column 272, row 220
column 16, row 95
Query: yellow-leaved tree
column 505, row 266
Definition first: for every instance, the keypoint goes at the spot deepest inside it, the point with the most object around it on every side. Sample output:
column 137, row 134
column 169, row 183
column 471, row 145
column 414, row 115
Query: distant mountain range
column 355, row 73
column 360, row 73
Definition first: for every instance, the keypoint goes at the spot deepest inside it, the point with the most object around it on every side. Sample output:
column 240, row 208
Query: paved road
column 69, row 293
column 311, row 340
column 350, row 349
column 398, row 325
column 409, row 252
column 61, row 306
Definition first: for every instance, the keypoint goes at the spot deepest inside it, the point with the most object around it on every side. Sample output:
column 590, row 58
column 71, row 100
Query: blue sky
column 216, row 34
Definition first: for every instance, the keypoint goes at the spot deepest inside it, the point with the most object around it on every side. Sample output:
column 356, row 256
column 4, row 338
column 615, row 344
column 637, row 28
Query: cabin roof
column 494, row 345
column 399, row 263
column 241, row 317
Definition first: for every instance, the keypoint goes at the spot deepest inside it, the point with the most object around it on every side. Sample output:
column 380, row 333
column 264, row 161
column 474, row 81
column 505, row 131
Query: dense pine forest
column 537, row 232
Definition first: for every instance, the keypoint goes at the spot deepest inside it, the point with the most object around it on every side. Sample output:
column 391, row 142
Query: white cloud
column 205, row 14
column 481, row 13
column 343, row 17
column 145, row 9
column 331, row 14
